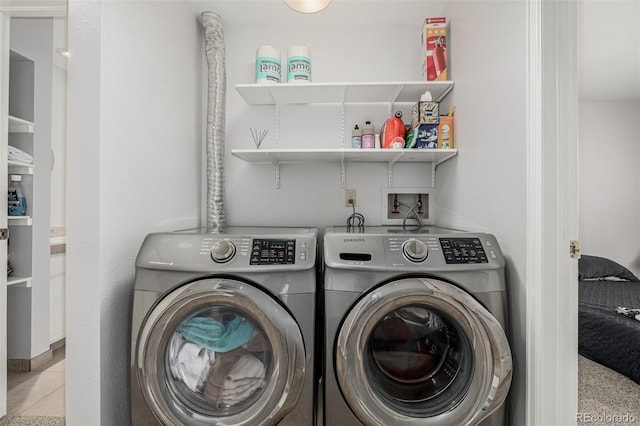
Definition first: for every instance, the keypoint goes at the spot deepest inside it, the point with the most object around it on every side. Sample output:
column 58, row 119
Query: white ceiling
column 609, row 50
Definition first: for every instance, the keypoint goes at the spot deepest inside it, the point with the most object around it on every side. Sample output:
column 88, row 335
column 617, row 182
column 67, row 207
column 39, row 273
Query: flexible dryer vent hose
column 216, row 102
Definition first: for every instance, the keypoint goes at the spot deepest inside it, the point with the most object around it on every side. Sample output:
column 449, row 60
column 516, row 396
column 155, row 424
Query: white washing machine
column 414, row 328
column 223, row 328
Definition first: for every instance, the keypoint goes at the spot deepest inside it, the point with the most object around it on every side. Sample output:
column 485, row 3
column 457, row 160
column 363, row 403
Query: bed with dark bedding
column 604, row 335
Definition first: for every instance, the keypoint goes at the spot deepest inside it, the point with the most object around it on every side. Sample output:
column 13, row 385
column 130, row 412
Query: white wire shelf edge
column 343, row 154
column 342, row 93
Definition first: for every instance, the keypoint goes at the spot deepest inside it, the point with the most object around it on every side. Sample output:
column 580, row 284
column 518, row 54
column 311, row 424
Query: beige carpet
column 606, row 397
column 31, row 421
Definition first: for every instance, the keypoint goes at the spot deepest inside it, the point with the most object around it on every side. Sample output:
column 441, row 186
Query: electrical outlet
column 349, row 194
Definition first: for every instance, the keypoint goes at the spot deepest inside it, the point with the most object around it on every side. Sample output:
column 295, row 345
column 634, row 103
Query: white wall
column 311, row 194
column 485, row 187
column 133, row 168
column 610, row 181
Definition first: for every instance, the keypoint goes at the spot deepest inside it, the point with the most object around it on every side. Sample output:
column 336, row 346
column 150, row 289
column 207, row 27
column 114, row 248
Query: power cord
column 355, row 220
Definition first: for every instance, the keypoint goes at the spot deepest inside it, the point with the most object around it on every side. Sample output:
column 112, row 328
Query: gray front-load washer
column 223, row 328
column 414, row 328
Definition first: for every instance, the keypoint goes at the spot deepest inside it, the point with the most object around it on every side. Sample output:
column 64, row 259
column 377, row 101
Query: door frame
column 552, row 213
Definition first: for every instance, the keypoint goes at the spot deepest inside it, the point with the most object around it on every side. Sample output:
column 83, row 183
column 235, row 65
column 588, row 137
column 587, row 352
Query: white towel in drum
column 15, row 154
column 244, row 379
column 189, row 362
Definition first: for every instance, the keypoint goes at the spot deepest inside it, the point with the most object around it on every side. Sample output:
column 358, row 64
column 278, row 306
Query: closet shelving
column 18, row 125
column 21, row 135
column 364, row 93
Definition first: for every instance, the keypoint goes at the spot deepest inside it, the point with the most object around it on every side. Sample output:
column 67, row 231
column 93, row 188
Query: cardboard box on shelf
column 424, row 125
column 445, row 132
column 434, row 49
column 425, row 112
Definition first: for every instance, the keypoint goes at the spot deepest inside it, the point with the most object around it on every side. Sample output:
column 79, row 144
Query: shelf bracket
column 277, row 165
column 277, row 123
column 343, row 128
column 434, row 166
column 393, row 99
column 344, row 174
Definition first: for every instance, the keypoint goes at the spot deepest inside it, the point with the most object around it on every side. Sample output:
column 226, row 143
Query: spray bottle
column 393, row 132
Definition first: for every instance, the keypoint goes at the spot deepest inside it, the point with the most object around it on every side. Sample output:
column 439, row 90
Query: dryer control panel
column 273, row 252
column 463, row 250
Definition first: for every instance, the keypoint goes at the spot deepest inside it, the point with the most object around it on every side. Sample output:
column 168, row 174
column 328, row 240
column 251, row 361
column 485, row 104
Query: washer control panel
column 463, row 250
column 273, row 252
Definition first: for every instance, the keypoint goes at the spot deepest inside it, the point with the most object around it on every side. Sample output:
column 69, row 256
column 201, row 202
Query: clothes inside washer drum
column 215, row 335
column 234, row 377
column 189, row 362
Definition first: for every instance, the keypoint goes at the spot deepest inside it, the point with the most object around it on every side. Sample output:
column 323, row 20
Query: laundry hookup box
column 434, row 49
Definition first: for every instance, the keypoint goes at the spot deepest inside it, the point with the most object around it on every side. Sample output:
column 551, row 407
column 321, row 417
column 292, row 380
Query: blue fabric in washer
column 215, row 335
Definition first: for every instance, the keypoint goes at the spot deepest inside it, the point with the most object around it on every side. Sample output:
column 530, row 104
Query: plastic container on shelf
column 268, row 69
column 368, row 135
column 16, row 202
column 356, row 137
column 298, row 64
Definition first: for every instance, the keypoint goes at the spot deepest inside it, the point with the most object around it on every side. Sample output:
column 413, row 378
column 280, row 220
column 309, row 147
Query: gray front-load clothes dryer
column 223, row 328
column 414, row 328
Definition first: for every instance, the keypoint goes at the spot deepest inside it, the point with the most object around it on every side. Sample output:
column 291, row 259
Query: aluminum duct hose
column 216, row 102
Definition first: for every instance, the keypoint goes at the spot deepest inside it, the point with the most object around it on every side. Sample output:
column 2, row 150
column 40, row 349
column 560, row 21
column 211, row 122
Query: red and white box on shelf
column 434, row 49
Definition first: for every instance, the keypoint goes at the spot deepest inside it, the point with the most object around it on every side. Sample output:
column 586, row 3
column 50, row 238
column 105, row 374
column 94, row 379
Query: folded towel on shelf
column 215, row 335
column 15, row 154
column 189, row 362
column 628, row 312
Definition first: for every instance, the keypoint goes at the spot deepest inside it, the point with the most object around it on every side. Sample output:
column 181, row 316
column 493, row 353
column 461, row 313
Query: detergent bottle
column 393, row 132
column 17, row 203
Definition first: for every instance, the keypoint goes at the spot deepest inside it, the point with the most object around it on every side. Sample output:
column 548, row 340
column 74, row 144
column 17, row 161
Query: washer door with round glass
column 220, row 351
column 422, row 349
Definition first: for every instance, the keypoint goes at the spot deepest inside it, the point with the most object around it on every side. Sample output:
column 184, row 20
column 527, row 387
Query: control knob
column 223, row 251
column 415, row 250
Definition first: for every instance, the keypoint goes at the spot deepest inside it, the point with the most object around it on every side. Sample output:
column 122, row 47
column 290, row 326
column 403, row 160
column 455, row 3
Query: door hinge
column 574, row 249
column 4, row 234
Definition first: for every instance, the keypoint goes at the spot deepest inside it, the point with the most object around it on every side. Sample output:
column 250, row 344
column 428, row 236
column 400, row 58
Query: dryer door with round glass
column 421, row 348
column 220, row 351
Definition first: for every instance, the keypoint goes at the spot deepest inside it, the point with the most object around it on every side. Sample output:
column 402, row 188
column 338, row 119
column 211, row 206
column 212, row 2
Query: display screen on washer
column 273, row 252
column 463, row 250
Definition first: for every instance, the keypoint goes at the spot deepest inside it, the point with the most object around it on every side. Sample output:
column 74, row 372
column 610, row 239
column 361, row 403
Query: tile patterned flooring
column 38, row 392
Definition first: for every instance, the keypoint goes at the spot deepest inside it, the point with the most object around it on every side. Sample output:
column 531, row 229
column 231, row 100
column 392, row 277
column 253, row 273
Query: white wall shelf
column 18, row 125
column 342, row 93
column 345, row 155
column 20, row 220
column 19, row 281
column 386, row 93
column 20, row 168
